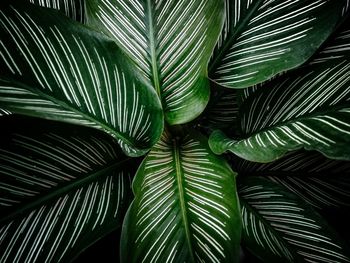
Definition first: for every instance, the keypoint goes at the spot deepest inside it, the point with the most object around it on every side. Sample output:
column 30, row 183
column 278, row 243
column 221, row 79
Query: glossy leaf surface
column 170, row 41
column 55, row 68
column 309, row 108
column 186, row 207
column 262, row 38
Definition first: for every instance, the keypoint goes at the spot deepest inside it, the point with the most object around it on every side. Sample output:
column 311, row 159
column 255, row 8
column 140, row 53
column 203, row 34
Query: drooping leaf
column 62, row 188
column 309, row 108
column 322, row 182
column 170, row 41
column 278, row 226
column 261, row 38
column 55, row 68
column 186, row 207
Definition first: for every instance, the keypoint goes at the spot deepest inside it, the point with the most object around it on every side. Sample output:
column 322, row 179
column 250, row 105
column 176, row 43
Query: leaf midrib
column 43, row 199
column 237, row 31
column 290, row 121
column 179, row 179
column 154, row 61
column 68, row 107
column 266, row 223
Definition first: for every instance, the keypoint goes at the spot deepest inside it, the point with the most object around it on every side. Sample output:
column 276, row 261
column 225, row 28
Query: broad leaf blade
column 55, row 68
column 62, row 188
column 171, row 42
column 322, row 182
column 309, row 108
column 262, row 38
column 186, row 207
column 278, row 226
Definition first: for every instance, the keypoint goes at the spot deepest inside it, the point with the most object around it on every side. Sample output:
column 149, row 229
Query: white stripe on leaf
column 59, row 190
column 171, row 43
column 182, row 188
column 263, row 38
column 278, row 225
column 87, row 91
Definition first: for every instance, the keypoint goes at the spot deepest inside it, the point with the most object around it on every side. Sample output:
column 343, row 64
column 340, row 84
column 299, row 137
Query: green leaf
column 74, row 9
column 170, row 41
column 321, row 182
column 186, row 207
column 262, row 38
column 309, row 108
column 279, row 227
column 57, row 69
column 62, row 188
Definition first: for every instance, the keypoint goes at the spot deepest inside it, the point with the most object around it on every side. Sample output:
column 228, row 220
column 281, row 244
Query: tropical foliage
column 197, row 128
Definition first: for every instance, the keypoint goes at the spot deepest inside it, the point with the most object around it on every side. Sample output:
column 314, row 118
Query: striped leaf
column 280, row 227
column 186, row 207
column 309, row 108
column 57, row 69
column 321, row 182
column 170, row 41
column 62, row 188
column 4, row 112
column 261, row 38
column 75, row 9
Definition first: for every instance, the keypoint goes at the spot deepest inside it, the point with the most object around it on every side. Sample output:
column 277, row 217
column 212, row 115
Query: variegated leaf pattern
column 55, row 68
column 309, row 108
column 279, row 227
column 62, row 188
column 171, row 42
column 261, row 38
column 322, row 182
column 75, row 9
column 4, row 112
column 186, row 207
column 336, row 48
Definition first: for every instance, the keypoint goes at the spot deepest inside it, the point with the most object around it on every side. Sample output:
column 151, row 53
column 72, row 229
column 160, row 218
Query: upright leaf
column 62, row 188
column 309, row 108
column 279, row 227
column 321, row 182
column 52, row 67
column 171, row 42
column 261, row 38
column 186, row 207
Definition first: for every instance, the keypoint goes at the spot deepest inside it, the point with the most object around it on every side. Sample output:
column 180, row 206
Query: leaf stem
column 44, row 199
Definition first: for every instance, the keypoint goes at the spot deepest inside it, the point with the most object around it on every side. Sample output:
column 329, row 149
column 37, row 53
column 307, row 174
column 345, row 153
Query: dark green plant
column 267, row 81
